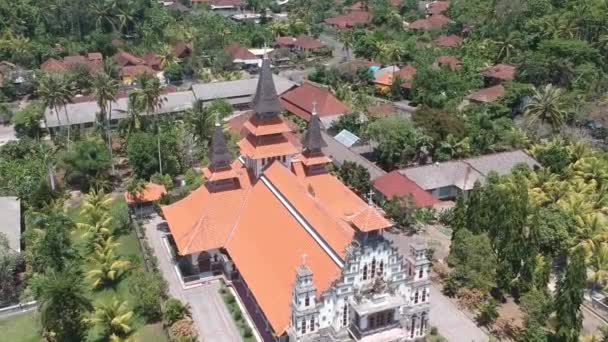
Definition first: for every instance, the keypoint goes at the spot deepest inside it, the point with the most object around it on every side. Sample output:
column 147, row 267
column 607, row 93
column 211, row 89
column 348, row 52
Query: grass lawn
column 127, row 250
column 20, row 328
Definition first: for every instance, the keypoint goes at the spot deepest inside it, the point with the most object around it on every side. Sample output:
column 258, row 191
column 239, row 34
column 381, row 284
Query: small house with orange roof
column 309, row 97
column 305, row 254
column 499, row 73
column 142, row 201
column 383, row 78
column 448, row 61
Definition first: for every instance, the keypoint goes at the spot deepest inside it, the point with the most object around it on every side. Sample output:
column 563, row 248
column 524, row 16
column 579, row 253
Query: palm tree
column 96, row 205
column 97, row 231
column 62, row 302
column 167, row 56
column 133, row 121
column 546, row 105
column 109, row 268
column 149, row 97
column 105, row 88
column 201, row 122
column 53, row 92
column 135, row 187
column 598, row 263
column 115, row 319
column 347, row 38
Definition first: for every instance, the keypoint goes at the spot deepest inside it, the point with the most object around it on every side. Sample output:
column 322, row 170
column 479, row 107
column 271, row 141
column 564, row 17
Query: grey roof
column 219, row 156
column 10, row 216
column 236, row 92
column 340, row 153
column 313, row 141
column 266, row 101
column 465, row 172
column 85, row 112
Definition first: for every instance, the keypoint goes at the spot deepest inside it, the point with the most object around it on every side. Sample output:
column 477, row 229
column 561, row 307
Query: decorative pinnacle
column 304, row 259
column 314, row 108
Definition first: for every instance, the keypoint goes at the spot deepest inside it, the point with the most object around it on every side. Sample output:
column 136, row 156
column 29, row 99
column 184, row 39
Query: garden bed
column 237, row 314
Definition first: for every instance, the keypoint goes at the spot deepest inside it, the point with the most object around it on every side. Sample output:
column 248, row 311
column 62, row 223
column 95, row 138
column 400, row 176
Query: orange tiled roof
column 266, row 146
column 204, row 220
column 267, row 250
column 274, row 125
column 340, row 201
column 310, row 160
column 369, row 219
column 151, row 192
column 219, row 175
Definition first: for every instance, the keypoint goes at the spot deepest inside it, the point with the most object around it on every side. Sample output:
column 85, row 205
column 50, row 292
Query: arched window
column 423, row 295
column 312, row 324
column 303, row 326
column 381, row 268
column 365, row 272
column 413, row 327
column 306, row 301
column 344, row 315
column 421, row 272
column 423, row 323
column 416, row 297
column 373, row 267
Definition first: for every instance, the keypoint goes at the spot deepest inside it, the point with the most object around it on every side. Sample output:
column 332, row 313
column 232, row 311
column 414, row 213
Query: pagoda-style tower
column 267, row 140
column 219, row 173
column 312, row 157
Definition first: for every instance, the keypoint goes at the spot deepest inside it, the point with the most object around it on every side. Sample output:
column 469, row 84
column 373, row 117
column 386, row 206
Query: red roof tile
column 448, row 41
column 487, row 95
column 52, row 64
column 182, row 49
column 437, row 7
column 503, row 72
column 299, row 101
column 308, row 43
column 236, row 51
column 136, row 70
column 350, row 19
column 433, row 22
column 286, row 41
column 395, row 184
column 123, row 58
column 381, row 111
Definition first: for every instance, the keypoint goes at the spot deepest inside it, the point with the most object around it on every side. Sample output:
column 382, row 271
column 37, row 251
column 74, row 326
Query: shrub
column 175, row 310
column 183, row 328
column 488, row 312
column 148, row 288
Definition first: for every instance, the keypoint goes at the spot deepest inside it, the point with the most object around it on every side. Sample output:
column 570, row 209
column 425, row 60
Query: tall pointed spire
column 219, row 156
column 266, row 101
column 313, row 141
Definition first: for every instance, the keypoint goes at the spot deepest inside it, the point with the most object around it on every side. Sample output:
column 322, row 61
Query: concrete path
column 209, row 312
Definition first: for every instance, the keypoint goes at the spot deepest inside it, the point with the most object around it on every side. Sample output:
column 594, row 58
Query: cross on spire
column 304, row 259
column 370, row 197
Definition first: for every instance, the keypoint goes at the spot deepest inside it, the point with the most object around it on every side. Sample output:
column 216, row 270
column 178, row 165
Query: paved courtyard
column 209, row 312
column 451, row 322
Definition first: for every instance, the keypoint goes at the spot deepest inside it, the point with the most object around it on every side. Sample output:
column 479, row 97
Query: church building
column 306, row 255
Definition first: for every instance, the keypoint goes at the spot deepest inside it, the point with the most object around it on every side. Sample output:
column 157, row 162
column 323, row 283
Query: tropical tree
column 547, row 106
column 97, row 231
column 598, row 263
column 114, row 319
column 167, row 56
column 62, row 302
column 347, row 38
column 149, row 97
column 86, row 164
column 200, row 122
column 108, row 268
column 96, row 205
column 105, row 88
column 569, row 297
column 55, row 92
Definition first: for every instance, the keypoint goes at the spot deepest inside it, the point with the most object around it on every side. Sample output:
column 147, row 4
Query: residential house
column 448, row 180
column 92, row 61
column 433, row 22
column 437, row 7
column 499, row 73
column 16, row 75
column 487, row 95
column 182, row 50
column 308, row 44
column 450, row 41
column 287, row 42
column 350, row 19
column 302, row 101
column 241, row 55
column 10, row 216
column 383, row 78
column 306, row 255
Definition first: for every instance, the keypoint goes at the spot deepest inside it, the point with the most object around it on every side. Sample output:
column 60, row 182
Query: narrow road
column 209, row 312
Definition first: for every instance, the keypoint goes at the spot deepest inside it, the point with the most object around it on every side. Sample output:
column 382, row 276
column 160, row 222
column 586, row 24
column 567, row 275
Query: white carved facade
column 381, row 295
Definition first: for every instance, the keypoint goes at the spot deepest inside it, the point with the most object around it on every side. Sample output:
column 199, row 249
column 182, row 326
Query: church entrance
column 204, row 262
